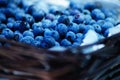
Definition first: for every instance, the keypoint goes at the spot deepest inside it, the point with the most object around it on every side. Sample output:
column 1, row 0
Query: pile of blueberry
column 56, row 27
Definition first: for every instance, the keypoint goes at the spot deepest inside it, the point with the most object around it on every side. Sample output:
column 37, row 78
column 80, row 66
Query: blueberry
column 75, row 44
column 100, row 22
column 47, row 42
column 38, row 15
column 47, row 32
column 28, row 33
column 36, row 43
column 70, row 36
column 9, row 12
column 2, row 17
column 17, row 36
column 10, row 19
column 91, row 22
column 79, row 37
column 53, row 24
column 20, row 16
column 65, row 43
column 57, row 43
column 74, row 12
column 2, row 26
column 87, row 19
column 2, row 36
column 97, row 14
column 37, row 29
column 79, row 18
column 88, row 27
column 29, row 19
column 74, row 28
column 64, row 19
column 36, row 25
column 110, row 19
column 107, row 25
column 27, row 40
column 55, row 34
column 90, row 6
column 8, row 33
column 39, row 38
column 30, row 9
column 46, row 23
column 97, row 28
column 82, row 28
column 62, row 29
column 10, row 25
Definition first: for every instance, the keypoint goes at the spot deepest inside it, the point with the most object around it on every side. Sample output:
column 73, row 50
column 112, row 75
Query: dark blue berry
column 62, row 29
column 46, row 23
column 97, row 28
column 73, row 27
column 8, row 33
column 71, row 36
column 28, row 33
column 64, row 19
column 47, row 42
column 10, row 25
column 2, row 17
column 65, row 43
column 38, row 15
column 107, row 25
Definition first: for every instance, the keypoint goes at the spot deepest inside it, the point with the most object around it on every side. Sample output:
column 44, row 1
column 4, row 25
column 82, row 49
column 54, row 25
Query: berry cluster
column 56, row 27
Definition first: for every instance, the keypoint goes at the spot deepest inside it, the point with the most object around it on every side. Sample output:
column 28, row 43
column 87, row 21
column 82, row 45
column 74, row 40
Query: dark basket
column 23, row 62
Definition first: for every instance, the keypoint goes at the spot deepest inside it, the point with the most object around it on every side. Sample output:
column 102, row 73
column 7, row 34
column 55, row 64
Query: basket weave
column 23, row 62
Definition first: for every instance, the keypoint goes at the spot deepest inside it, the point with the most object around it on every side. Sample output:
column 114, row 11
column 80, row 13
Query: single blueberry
column 47, row 42
column 91, row 22
column 38, row 15
column 27, row 40
column 97, row 28
column 8, row 33
column 79, row 18
column 97, row 14
column 101, row 22
column 70, row 36
column 30, row 9
column 2, row 26
column 46, row 23
column 73, row 27
column 28, row 33
column 79, row 38
column 47, row 32
column 64, row 19
column 90, row 6
column 39, row 38
column 17, row 36
column 110, row 19
column 10, row 19
column 107, row 25
column 9, row 12
column 20, row 16
column 82, row 28
column 87, row 19
column 65, row 43
column 2, row 36
column 2, row 17
column 57, row 43
column 62, row 29
column 10, row 25
column 36, row 44
column 55, row 34
column 75, row 44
